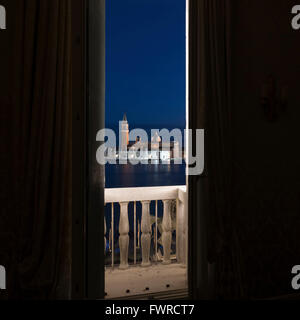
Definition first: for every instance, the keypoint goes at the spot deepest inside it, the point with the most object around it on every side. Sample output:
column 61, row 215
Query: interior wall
column 267, row 160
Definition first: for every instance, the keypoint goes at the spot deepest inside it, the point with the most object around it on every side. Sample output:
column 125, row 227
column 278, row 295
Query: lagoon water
column 141, row 175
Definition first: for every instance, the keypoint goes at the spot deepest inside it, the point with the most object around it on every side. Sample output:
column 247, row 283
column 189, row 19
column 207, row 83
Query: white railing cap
column 144, row 194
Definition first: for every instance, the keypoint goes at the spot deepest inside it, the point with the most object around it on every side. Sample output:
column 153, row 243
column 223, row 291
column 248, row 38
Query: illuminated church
column 154, row 150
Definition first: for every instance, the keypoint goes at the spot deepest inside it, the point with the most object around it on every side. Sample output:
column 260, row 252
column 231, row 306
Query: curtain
column 215, row 264
column 41, row 134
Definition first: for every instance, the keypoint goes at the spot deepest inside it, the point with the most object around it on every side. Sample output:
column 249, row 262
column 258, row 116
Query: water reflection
column 150, row 175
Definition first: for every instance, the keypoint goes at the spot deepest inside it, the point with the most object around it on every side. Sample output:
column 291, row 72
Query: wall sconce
column 273, row 99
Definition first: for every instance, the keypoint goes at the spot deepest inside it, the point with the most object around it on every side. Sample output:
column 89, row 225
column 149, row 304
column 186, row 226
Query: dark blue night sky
column 145, row 62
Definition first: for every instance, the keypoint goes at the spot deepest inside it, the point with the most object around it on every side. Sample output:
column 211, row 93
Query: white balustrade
column 104, row 235
column 124, row 237
column 181, row 228
column 167, row 232
column 124, row 196
column 146, row 233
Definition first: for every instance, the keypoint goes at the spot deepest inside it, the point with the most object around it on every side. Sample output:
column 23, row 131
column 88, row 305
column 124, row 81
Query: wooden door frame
column 88, row 74
column 88, row 27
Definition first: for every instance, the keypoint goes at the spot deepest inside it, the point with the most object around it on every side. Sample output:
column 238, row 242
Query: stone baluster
column 124, row 237
column 146, row 233
column 185, row 233
column 180, row 233
column 167, row 231
column 104, row 235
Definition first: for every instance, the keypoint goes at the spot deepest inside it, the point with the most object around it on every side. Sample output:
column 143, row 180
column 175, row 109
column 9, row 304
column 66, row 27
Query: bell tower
column 124, row 133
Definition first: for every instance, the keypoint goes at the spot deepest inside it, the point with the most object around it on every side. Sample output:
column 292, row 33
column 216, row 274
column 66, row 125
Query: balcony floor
column 157, row 278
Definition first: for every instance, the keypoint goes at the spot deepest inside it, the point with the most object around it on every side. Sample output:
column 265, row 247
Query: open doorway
column 145, row 227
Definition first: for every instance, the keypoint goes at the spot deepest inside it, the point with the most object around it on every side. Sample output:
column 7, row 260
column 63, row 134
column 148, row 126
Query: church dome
column 156, row 138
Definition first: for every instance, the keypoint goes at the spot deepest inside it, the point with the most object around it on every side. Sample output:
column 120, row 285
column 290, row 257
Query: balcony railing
column 145, row 226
